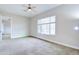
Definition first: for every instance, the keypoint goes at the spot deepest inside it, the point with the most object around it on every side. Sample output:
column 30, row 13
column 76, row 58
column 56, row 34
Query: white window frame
column 49, row 32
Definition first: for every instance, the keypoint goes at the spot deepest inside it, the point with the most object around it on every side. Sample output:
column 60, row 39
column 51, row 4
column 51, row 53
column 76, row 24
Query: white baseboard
column 66, row 45
column 19, row 37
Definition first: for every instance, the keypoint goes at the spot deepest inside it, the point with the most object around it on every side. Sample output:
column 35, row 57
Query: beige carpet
column 33, row 46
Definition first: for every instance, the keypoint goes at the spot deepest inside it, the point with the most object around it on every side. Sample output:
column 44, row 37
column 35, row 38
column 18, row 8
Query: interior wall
column 67, row 17
column 19, row 25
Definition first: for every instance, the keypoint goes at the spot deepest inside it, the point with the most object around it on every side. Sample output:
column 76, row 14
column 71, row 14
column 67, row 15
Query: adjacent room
column 39, row 29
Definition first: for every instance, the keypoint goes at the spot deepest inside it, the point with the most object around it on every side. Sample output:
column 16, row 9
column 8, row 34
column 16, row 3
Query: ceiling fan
column 29, row 8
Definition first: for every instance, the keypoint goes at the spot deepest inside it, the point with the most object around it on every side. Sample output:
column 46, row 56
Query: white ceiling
column 18, row 9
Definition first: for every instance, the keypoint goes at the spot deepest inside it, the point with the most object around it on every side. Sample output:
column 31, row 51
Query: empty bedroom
column 39, row 29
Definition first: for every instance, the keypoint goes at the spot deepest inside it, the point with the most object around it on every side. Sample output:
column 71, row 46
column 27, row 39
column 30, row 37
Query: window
column 47, row 25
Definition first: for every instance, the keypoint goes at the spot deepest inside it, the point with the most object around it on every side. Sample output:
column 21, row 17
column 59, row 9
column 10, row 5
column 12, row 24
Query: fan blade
column 25, row 10
column 33, row 7
column 24, row 5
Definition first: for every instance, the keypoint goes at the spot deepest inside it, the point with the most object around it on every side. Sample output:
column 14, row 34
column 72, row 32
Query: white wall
column 19, row 25
column 67, row 17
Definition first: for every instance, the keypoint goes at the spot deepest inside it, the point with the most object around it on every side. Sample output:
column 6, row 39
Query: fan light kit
column 29, row 7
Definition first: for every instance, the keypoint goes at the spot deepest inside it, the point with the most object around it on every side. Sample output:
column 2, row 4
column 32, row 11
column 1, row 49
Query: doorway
column 5, row 28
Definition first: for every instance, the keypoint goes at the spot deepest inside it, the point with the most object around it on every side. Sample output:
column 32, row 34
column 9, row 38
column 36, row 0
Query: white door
column 6, row 33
